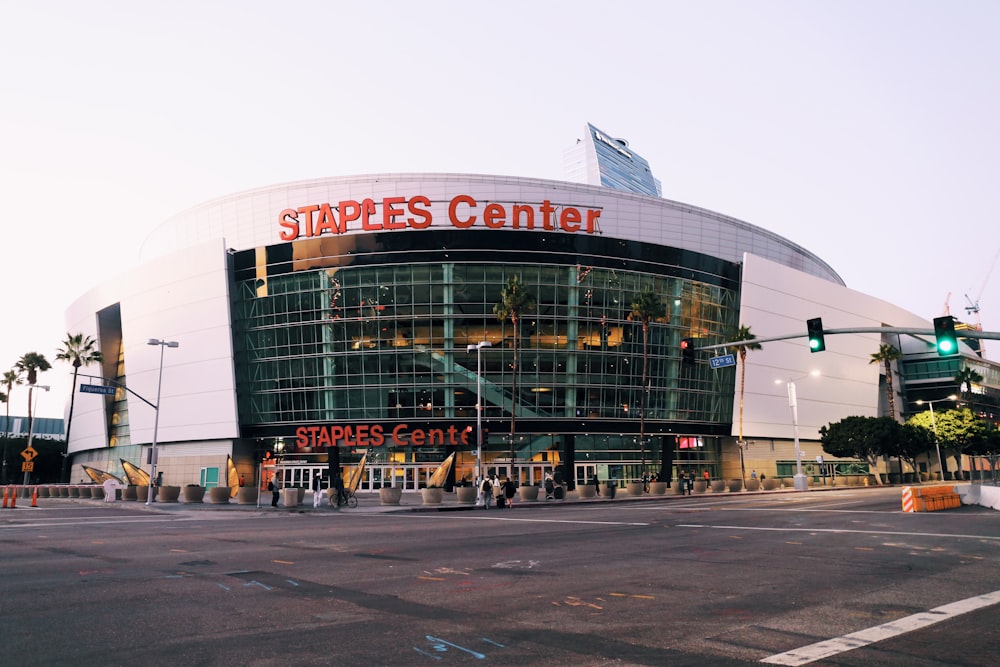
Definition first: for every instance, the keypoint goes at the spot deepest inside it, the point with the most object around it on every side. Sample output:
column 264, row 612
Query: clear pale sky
column 866, row 131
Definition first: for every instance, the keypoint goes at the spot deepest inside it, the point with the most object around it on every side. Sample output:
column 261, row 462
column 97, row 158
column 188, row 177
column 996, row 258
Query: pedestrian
column 762, row 476
column 509, row 489
column 645, row 482
column 497, row 490
column 708, row 478
column 597, row 485
column 272, row 486
column 753, row 474
column 243, row 481
column 486, row 493
column 338, row 484
column 317, row 490
column 159, row 478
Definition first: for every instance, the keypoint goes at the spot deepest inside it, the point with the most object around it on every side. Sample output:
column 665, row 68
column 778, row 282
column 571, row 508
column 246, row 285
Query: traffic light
column 687, row 351
column 815, row 329
column 944, row 331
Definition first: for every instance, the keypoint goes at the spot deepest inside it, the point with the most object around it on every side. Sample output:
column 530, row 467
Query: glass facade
column 374, row 330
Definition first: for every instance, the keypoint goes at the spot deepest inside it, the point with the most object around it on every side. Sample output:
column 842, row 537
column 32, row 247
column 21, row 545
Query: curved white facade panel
column 251, row 219
column 181, row 297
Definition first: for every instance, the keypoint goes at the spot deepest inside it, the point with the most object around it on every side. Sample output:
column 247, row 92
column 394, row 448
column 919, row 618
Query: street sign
column 723, row 361
column 97, row 389
column 28, row 466
column 29, row 453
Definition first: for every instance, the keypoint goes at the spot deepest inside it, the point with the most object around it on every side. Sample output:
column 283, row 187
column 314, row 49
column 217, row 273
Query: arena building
column 325, row 319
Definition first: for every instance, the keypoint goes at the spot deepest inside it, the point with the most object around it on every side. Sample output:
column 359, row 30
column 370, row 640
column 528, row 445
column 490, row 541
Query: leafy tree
column 865, row 438
column 646, row 307
column 958, row 429
column 515, row 301
column 10, row 378
column 743, row 335
column 913, row 442
column 966, row 377
column 78, row 350
column 31, row 364
column 886, row 355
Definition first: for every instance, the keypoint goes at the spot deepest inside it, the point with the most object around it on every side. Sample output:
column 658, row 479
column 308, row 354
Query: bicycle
column 345, row 498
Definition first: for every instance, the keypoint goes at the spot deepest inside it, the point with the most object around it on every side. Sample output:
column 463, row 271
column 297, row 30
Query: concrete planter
column 610, row 490
column 219, row 495
column 700, row 486
column 528, row 493
column 735, row 485
column 718, row 485
column 634, row 489
column 390, row 495
column 142, row 493
column 770, row 484
column 96, row 492
column 43, row 492
column 432, row 496
column 193, row 494
column 74, row 492
column 246, row 495
column 586, row 491
column 658, row 488
column 466, row 495
column 753, row 485
column 168, row 494
column 129, row 493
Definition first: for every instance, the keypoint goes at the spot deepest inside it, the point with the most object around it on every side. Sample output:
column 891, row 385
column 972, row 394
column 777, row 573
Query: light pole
column 31, row 426
column 156, row 409
column 937, row 445
column 478, row 347
column 801, row 483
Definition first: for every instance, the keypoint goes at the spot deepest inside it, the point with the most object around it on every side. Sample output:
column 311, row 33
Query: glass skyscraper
column 601, row 159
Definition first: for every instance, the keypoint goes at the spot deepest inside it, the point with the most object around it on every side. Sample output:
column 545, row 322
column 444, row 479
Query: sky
column 865, row 131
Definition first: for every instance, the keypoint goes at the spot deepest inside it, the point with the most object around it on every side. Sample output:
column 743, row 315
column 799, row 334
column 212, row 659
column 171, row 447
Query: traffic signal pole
column 929, row 333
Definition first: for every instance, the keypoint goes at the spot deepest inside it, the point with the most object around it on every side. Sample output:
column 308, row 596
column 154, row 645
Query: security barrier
column 930, row 498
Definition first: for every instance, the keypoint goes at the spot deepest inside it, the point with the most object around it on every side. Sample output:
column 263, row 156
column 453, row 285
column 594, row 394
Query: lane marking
column 840, row 531
column 520, row 520
column 844, row 643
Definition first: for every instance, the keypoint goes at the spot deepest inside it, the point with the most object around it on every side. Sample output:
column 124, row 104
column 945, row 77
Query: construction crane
column 973, row 307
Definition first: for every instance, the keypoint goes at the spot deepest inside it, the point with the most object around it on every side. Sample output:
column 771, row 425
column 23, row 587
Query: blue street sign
column 97, row 389
column 723, row 361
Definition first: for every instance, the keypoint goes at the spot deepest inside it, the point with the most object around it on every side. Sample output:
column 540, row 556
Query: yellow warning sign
column 29, row 453
column 28, row 466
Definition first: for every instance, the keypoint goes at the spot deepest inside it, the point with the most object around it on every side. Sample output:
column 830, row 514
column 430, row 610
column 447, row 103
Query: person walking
column 509, row 489
column 486, row 493
column 597, row 485
column 317, row 486
column 272, row 486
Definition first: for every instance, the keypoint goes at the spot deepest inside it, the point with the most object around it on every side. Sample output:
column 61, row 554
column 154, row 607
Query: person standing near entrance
column 486, row 493
column 272, row 486
column 317, row 490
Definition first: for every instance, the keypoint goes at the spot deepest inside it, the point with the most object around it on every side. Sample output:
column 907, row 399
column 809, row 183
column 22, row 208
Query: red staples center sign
column 463, row 212
column 378, row 435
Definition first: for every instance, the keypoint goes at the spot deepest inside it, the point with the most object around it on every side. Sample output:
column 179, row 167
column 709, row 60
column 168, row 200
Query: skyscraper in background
column 600, row 159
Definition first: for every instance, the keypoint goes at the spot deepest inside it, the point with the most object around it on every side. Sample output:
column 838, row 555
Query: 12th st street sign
column 100, row 389
column 723, row 361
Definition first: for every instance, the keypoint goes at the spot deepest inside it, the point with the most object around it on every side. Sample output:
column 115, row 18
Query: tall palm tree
column 646, row 308
column 965, row 378
column 78, row 350
column 31, row 364
column 886, row 355
column 515, row 300
column 10, row 378
column 745, row 336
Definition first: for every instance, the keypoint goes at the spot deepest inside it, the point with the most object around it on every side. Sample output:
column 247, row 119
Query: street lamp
column 937, row 445
column 801, row 483
column 156, row 409
column 31, row 426
column 478, row 347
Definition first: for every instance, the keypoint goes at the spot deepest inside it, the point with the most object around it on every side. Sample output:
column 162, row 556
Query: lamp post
column 478, row 347
column 31, row 426
column 156, row 410
column 800, row 481
column 937, row 445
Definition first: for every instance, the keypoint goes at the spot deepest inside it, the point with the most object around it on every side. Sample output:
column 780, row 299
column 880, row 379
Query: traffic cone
column 34, row 497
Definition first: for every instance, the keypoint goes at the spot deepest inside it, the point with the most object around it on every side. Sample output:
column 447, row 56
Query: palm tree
column 31, row 364
column 745, row 336
column 79, row 350
column 965, row 378
column 515, row 300
column 646, row 307
column 886, row 355
column 10, row 378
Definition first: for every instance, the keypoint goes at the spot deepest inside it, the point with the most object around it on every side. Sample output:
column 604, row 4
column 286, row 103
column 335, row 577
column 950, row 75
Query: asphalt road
column 728, row 579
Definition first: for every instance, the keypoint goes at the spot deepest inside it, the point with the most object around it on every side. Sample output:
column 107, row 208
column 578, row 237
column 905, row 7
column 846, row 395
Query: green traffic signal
column 814, row 327
column 944, row 331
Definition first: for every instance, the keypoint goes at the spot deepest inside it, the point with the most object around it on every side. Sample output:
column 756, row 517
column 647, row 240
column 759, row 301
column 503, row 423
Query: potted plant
column 219, row 495
column 432, row 495
column 465, row 493
column 168, row 494
column 193, row 493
